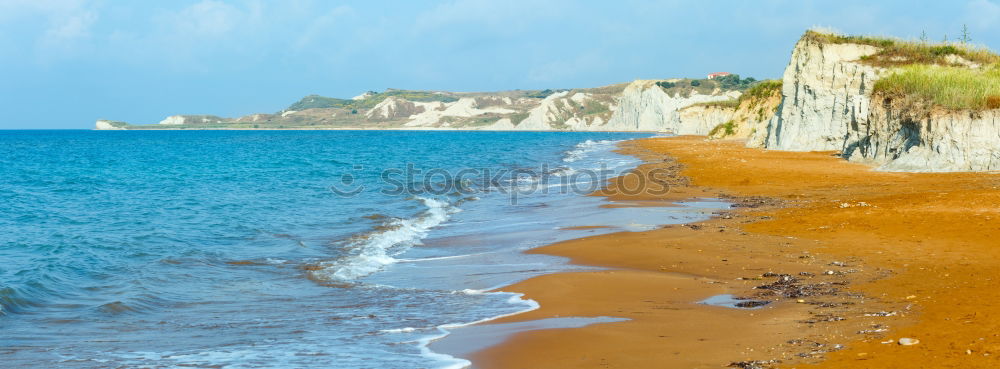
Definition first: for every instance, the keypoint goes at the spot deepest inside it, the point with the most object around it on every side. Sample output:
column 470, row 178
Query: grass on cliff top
column 762, row 89
column 949, row 87
column 896, row 52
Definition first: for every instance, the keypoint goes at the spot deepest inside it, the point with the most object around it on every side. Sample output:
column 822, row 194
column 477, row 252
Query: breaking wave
column 375, row 250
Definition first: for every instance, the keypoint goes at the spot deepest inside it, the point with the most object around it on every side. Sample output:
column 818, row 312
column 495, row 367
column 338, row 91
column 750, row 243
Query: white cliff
column 644, row 106
column 562, row 110
column 703, row 118
column 826, row 93
column 174, row 119
column 828, row 103
column 896, row 139
column 108, row 125
column 463, row 108
column 393, row 107
column 746, row 119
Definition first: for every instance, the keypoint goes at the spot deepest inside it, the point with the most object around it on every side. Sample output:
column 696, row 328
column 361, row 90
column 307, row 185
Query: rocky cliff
column 830, row 102
column 645, row 105
column 825, row 93
column 898, row 139
column 745, row 117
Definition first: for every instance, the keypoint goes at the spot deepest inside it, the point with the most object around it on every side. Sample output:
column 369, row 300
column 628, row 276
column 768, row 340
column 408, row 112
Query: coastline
column 869, row 257
column 369, row 129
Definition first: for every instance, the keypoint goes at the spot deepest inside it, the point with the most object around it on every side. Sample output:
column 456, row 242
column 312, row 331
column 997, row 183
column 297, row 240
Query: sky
column 66, row 63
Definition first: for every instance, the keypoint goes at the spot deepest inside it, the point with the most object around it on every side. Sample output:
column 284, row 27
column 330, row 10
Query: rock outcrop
column 191, row 119
column 644, row 106
column 564, row 110
column 394, row 108
column 744, row 118
column 109, row 125
column 897, row 139
column 825, row 94
column 637, row 106
column 829, row 103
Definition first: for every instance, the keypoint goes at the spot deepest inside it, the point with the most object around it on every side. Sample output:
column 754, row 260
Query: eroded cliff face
column 748, row 120
column 640, row 106
column 636, row 106
column 103, row 124
column 898, row 139
column 828, row 104
column 701, row 119
column 826, row 94
column 644, row 106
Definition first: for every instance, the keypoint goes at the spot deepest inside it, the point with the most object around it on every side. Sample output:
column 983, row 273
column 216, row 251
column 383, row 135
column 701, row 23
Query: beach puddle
column 730, row 301
column 464, row 341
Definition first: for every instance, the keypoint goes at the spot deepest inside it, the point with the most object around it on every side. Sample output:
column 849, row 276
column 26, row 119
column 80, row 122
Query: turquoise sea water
column 280, row 248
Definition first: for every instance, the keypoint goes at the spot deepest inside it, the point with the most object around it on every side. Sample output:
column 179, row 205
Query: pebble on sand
column 908, row 341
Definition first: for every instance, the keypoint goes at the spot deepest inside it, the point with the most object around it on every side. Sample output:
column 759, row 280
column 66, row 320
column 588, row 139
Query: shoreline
column 443, row 129
column 813, row 234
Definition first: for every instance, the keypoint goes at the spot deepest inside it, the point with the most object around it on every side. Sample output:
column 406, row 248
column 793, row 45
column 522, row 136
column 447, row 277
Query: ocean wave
column 582, row 149
column 376, row 250
column 449, row 361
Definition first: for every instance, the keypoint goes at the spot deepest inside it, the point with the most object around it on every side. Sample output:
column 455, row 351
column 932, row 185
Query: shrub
column 666, row 84
column 733, row 82
column 695, row 83
column 517, row 118
column 762, row 89
column 726, row 129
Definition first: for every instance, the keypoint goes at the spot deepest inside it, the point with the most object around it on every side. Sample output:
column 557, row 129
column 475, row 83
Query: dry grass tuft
column 896, row 52
column 993, row 102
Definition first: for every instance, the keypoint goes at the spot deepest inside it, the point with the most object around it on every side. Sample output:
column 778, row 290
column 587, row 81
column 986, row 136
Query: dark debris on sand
column 754, row 364
column 787, row 286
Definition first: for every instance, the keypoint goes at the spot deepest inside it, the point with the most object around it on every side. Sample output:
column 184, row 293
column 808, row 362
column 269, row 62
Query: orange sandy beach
column 850, row 259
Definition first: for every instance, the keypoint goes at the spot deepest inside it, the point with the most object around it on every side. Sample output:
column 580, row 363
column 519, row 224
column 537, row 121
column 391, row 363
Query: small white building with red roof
column 719, row 74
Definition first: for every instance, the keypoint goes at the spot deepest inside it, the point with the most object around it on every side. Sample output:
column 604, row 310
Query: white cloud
column 47, row 30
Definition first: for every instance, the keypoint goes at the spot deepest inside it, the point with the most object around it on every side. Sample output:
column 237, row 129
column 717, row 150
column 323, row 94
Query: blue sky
column 65, row 63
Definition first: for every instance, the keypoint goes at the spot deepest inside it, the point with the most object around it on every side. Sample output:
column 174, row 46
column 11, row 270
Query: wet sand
column 850, row 259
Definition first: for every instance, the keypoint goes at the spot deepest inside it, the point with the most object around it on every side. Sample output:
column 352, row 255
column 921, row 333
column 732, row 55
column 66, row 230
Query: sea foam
column 376, row 249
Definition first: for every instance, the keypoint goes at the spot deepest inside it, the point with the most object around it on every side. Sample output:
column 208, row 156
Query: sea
column 287, row 249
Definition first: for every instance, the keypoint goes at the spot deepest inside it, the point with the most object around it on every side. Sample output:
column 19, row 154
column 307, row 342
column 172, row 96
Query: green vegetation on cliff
column 684, row 87
column 944, row 86
column 762, row 90
column 725, row 129
column 953, row 76
column 757, row 93
column 321, row 102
